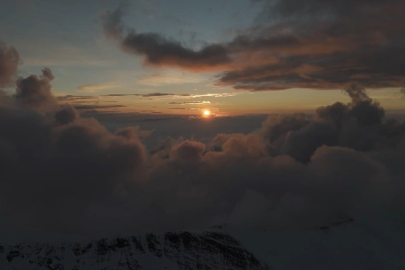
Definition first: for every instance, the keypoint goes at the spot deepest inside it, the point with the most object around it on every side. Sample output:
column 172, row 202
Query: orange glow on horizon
column 206, row 113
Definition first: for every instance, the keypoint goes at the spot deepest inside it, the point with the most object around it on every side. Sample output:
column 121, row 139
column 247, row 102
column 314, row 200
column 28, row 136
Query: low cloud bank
column 60, row 172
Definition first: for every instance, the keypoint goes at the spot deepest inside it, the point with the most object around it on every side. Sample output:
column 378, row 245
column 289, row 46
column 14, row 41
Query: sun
column 206, row 113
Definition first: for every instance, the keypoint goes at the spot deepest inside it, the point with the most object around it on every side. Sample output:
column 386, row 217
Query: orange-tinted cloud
column 295, row 44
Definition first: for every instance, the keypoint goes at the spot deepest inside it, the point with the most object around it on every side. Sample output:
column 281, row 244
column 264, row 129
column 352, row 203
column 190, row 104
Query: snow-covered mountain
column 340, row 245
column 183, row 250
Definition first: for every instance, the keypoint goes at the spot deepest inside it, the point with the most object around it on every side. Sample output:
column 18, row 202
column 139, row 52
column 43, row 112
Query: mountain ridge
column 171, row 250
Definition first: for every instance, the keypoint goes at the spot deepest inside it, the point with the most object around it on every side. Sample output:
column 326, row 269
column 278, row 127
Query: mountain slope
column 184, row 250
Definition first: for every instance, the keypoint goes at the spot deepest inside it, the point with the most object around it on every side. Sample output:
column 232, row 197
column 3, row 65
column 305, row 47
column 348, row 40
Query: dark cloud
column 67, row 114
column 371, row 68
column 112, row 22
column 310, row 44
column 160, row 51
column 295, row 9
column 187, row 151
column 62, row 172
column 294, row 44
column 9, row 61
column 359, row 125
column 47, row 74
column 53, row 161
column 35, row 91
column 357, row 94
column 132, row 133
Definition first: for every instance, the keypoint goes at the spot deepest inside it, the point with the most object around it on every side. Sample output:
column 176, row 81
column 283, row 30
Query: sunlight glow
column 206, row 113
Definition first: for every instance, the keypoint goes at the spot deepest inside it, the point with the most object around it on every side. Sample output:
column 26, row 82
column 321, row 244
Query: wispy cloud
column 73, row 98
column 215, row 95
column 76, row 98
column 94, row 107
column 172, row 95
column 190, row 102
column 147, row 95
column 93, row 88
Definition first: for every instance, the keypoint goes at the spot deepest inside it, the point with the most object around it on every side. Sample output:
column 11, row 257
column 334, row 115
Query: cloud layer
column 294, row 44
column 61, row 172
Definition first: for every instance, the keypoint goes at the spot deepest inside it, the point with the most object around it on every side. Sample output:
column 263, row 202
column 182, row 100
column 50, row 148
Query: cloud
column 147, row 95
column 9, row 61
column 187, row 152
column 133, row 132
column 35, row 91
column 323, row 46
column 66, row 115
column 190, row 103
column 163, row 95
column 65, row 173
column 293, row 44
column 160, row 51
column 92, row 88
column 97, row 103
column 73, row 98
column 216, row 95
column 112, row 22
column 93, row 107
column 49, row 149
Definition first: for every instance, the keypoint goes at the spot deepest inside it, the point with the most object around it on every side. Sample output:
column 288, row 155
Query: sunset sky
column 140, row 115
column 262, row 57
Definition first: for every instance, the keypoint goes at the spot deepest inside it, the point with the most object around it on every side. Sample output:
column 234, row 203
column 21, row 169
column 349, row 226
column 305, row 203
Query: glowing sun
column 206, row 113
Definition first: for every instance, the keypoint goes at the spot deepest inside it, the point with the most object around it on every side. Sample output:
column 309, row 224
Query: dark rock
column 14, row 254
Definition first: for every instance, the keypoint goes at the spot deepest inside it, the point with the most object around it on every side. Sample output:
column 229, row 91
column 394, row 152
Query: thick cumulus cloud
column 35, row 91
column 54, row 164
column 64, row 173
column 294, row 44
column 359, row 125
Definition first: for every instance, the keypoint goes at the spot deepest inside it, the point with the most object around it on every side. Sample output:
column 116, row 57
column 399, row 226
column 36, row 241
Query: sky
column 247, row 57
column 101, row 103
